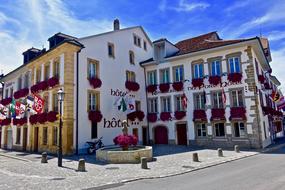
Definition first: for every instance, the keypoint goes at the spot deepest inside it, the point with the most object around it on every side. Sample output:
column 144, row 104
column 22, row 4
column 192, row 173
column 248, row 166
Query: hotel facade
column 224, row 83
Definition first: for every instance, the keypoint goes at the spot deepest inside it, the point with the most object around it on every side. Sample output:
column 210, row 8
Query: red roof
column 202, row 42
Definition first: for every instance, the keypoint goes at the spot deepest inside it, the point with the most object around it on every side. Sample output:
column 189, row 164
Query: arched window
column 131, row 57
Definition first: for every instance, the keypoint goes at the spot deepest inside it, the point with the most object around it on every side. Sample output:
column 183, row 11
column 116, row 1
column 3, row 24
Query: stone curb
column 15, row 157
column 272, row 148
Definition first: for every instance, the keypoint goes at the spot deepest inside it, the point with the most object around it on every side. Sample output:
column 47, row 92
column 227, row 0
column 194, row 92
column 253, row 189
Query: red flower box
column 178, row 86
column 215, row 80
column 6, row 101
column 132, row 116
column 132, row 86
column 261, row 79
column 235, row 77
column 34, row 119
column 35, row 89
column 95, row 116
column 52, row 116
column 125, row 141
column 164, row 87
column 267, row 86
column 6, row 122
column 21, row 93
column 95, row 82
column 179, row 114
column 165, row 116
column 53, row 82
column 140, row 115
column 151, row 88
column 238, row 113
column 197, row 82
column 218, row 114
column 41, row 86
column 20, row 121
column 42, row 118
column 199, row 115
column 152, row 117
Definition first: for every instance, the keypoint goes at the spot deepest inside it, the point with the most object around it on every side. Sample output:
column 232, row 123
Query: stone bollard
column 237, row 150
column 81, row 165
column 195, row 157
column 44, row 158
column 144, row 163
column 220, row 152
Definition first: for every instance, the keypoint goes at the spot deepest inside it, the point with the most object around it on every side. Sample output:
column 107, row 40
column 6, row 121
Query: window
column 201, row 129
column 6, row 93
column 56, row 69
column 45, row 135
column 46, row 102
column 137, row 40
column 178, row 103
column 164, row 76
column 131, row 57
column 165, row 104
column 217, row 99
column 237, row 98
column 20, row 83
column 55, row 102
column 178, row 73
column 47, row 71
column 144, row 45
column 11, row 92
column 199, row 101
column 216, row 68
column 111, row 50
column 138, row 105
column 93, row 69
column 55, row 136
column 198, row 71
column 94, row 130
column 38, row 75
column 219, row 129
column 152, row 103
column 151, row 78
column 136, row 132
column 26, row 80
column 239, row 129
column 93, row 101
column 18, row 137
column 130, row 76
column 234, row 65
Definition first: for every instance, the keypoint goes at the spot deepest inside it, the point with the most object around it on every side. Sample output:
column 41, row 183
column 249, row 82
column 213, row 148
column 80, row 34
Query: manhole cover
column 188, row 167
column 112, row 168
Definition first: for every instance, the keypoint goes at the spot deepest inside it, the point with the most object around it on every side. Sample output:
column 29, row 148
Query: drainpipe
column 147, row 109
column 77, row 95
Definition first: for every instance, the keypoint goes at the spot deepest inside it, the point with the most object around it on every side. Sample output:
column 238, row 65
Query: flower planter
column 165, row 116
column 179, row 115
column 132, row 86
column 6, row 101
column 21, row 93
column 140, row 115
column 95, row 82
column 164, row 87
column 235, row 77
column 52, row 116
column 218, row 114
column 197, row 82
column 199, row 115
column 124, row 141
column 178, row 86
column 261, row 79
column 267, row 86
column 42, row 118
column 95, row 116
column 41, row 86
column 6, row 122
column 53, row 82
column 132, row 116
column 152, row 117
column 238, row 113
column 33, row 119
column 215, row 80
column 20, row 122
column 151, row 88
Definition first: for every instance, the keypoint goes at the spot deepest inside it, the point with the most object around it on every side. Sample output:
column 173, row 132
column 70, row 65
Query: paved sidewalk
column 169, row 161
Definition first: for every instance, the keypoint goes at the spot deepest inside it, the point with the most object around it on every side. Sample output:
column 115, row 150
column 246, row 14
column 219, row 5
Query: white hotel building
column 96, row 70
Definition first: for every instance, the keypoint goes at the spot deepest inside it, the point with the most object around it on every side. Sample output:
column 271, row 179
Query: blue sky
column 27, row 23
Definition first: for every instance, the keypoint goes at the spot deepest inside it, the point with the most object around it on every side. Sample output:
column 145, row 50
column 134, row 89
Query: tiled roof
column 203, row 42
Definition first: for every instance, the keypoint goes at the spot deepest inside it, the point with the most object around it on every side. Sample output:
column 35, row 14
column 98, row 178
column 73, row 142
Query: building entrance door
column 160, row 135
column 144, row 135
column 25, row 137
column 181, row 134
column 36, row 139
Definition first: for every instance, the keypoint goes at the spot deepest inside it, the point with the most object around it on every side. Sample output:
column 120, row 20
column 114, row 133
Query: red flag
column 224, row 97
column 184, row 100
column 38, row 104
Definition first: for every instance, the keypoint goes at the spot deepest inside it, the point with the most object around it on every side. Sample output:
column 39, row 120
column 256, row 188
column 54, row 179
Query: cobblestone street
column 27, row 172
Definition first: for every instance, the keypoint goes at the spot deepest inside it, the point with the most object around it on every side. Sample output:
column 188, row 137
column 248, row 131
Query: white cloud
column 276, row 35
column 183, row 6
column 32, row 22
column 277, row 65
column 237, row 5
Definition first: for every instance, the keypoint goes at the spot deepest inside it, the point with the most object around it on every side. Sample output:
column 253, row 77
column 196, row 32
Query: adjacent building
column 202, row 90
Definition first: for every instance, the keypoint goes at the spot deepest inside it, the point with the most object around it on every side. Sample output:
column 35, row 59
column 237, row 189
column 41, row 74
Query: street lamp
column 60, row 97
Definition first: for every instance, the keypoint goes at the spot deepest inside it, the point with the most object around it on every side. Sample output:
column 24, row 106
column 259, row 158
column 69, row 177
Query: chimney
column 116, row 24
